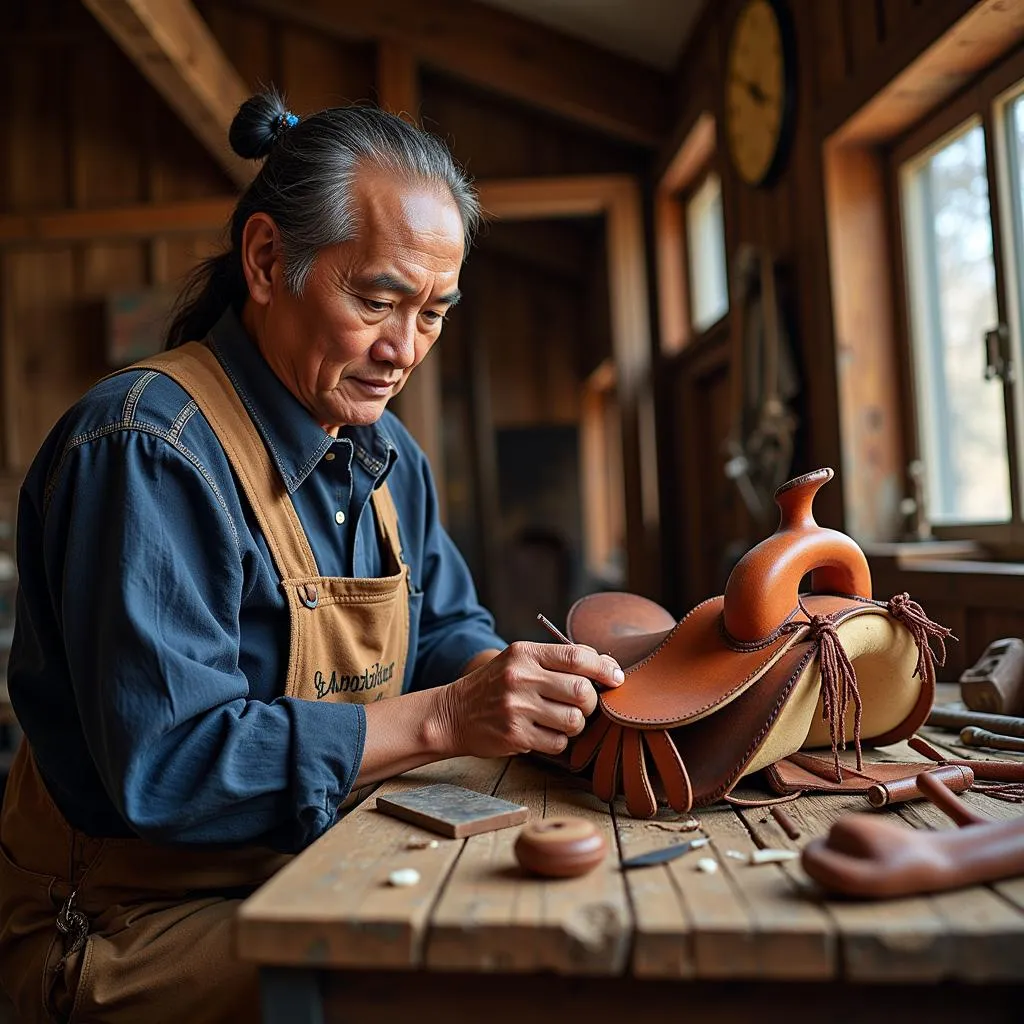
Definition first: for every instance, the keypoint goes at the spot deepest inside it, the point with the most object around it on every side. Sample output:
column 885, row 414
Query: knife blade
column 664, row 855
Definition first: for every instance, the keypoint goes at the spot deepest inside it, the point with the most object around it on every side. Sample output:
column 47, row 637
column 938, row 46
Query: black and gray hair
column 305, row 185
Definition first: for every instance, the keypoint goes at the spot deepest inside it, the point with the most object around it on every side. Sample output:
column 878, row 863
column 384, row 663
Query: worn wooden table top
column 474, row 910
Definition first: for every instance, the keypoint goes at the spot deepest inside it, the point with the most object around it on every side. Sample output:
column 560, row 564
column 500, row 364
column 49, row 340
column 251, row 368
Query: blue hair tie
column 284, row 122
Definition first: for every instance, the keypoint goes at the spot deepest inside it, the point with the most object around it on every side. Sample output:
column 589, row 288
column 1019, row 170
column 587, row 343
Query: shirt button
column 339, row 517
column 329, row 457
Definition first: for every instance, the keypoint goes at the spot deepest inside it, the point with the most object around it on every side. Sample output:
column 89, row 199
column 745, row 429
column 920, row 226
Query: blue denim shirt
column 151, row 641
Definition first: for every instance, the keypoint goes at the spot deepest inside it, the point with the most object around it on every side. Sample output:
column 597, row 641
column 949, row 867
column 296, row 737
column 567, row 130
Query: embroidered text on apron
column 122, row 930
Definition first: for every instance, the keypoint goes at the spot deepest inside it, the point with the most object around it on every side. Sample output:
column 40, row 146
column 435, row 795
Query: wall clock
column 760, row 90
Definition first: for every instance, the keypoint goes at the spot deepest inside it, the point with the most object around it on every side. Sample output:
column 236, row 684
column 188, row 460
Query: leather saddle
column 748, row 678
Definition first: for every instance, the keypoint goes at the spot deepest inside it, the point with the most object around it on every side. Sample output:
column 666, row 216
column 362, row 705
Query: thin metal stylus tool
column 553, row 629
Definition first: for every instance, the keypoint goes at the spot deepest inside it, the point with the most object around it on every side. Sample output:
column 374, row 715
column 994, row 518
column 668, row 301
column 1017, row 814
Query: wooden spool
column 560, row 847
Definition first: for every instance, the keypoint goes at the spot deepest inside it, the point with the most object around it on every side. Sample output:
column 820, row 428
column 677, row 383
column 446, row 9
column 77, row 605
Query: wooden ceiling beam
column 506, row 54
column 173, row 47
column 508, row 199
column 147, row 220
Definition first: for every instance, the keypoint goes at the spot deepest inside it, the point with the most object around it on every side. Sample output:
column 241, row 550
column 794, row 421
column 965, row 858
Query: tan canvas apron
column 159, row 920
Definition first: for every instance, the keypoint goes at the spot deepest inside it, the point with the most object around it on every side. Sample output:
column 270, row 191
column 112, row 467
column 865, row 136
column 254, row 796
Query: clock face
column 757, row 100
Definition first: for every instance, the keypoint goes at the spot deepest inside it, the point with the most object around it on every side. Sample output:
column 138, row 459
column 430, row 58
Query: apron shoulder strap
column 199, row 372
column 387, row 521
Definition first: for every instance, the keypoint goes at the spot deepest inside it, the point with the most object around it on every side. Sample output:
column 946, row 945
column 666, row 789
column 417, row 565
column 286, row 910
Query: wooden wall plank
column 38, row 153
column 900, row 16
column 495, row 138
column 106, row 152
column 6, row 131
column 319, row 71
column 830, row 62
column 178, row 54
column 39, row 329
column 179, row 166
column 861, row 32
column 247, row 39
column 398, row 79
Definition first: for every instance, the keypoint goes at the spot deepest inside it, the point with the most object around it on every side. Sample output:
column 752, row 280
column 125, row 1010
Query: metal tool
column 957, row 717
column 972, row 736
column 995, row 683
column 664, row 855
column 553, row 629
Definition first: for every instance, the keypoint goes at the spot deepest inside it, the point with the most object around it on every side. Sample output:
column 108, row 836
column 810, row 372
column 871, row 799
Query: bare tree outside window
column 951, row 274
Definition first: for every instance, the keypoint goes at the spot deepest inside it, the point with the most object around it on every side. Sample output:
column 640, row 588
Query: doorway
column 542, row 370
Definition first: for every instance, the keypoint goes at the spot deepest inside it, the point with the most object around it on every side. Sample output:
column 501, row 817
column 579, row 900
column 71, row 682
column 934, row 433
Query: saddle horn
column 763, row 588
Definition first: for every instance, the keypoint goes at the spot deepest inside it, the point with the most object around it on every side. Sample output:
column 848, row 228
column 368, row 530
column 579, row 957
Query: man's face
column 371, row 307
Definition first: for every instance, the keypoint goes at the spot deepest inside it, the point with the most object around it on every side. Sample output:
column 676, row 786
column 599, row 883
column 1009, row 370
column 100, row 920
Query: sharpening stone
column 452, row 810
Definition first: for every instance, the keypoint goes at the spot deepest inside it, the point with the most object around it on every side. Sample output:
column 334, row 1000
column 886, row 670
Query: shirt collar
column 296, row 442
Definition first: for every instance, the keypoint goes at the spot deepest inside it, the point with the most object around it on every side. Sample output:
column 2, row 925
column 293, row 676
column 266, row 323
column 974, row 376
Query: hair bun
column 259, row 123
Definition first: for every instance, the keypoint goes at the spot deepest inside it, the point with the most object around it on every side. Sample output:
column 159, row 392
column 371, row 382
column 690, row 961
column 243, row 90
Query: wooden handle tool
column 957, row 777
column 973, row 736
column 947, row 801
column 957, row 718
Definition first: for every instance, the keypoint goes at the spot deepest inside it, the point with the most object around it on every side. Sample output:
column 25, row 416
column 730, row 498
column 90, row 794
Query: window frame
column 696, row 156
column 684, row 197
column 986, row 99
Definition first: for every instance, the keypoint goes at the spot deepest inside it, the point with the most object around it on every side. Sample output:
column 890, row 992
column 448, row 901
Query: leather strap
column 640, row 799
column 587, row 743
column 671, row 770
column 198, row 371
column 606, row 768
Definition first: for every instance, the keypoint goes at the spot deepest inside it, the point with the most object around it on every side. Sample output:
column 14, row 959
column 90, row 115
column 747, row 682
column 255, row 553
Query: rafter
column 173, row 47
column 504, row 53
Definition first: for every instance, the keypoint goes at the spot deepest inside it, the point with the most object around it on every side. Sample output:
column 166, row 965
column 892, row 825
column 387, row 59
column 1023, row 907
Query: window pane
column 705, row 244
column 953, row 303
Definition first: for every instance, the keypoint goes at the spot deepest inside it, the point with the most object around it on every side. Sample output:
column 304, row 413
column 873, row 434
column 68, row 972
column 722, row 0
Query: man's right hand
column 530, row 697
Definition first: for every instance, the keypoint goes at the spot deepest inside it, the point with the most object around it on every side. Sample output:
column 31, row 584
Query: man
column 237, row 601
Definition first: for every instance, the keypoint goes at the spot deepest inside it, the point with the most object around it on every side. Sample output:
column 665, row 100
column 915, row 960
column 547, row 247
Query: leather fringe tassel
column 838, row 685
column 906, row 610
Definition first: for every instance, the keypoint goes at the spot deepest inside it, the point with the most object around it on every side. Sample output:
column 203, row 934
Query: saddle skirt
column 748, row 678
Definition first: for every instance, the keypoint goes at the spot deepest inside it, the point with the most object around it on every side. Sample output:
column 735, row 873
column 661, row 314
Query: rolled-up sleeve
column 145, row 571
column 454, row 626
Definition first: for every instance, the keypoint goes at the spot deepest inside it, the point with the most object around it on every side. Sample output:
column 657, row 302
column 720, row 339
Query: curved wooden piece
column 763, row 589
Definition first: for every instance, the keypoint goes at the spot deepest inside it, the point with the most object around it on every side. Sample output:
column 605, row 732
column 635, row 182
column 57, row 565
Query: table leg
column 291, row 996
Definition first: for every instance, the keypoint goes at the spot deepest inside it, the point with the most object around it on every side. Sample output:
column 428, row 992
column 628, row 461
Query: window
column 705, row 247
column 689, row 223
column 961, row 197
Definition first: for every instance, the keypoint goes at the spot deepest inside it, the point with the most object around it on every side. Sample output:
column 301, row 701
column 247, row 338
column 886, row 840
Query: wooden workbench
column 476, row 940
